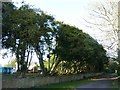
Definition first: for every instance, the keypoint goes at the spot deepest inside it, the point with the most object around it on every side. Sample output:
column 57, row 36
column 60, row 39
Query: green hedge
column 119, row 71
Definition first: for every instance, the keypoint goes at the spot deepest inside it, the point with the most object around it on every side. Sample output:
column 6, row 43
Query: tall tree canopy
column 79, row 48
column 27, row 30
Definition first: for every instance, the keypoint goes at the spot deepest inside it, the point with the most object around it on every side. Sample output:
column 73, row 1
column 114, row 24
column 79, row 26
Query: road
column 99, row 83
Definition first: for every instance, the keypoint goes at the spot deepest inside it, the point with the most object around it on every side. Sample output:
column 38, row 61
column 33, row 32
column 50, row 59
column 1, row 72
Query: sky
column 71, row 12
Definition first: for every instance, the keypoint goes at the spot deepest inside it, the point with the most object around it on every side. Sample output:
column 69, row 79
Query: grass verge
column 65, row 85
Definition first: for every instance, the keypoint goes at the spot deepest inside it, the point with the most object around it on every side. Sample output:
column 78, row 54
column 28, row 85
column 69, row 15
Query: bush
column 119, row 71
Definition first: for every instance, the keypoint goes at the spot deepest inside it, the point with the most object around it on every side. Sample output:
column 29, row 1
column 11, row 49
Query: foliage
column 113, row 65
column 12, row 63
column 17, row 33
column 78, row 52
column 27, row 30
column 119, row 71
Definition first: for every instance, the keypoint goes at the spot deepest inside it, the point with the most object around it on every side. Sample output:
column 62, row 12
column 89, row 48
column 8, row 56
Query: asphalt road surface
column 99, row 84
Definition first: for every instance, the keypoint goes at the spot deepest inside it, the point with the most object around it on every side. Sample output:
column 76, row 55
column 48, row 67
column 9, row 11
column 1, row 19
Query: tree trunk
column 40, row 57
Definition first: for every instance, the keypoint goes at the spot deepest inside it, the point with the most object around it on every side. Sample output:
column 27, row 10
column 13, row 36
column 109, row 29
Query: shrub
column 119, row 70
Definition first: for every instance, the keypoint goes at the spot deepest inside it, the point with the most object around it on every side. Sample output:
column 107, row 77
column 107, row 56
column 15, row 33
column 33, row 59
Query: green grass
column 66, row 85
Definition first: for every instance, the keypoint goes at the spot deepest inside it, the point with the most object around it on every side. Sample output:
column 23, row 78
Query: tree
column 107, row 14
column 113, row 65
column 27, row 30
column 46, row 38
column 77, row 51
column 18, row 33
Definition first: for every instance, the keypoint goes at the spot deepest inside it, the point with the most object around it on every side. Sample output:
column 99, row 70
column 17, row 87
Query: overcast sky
column 71, row 12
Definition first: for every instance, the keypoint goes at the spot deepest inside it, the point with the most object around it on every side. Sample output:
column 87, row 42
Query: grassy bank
column 65, row 85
